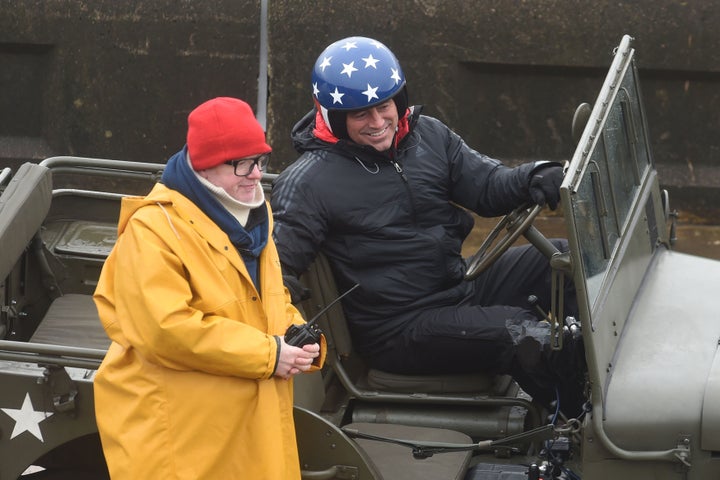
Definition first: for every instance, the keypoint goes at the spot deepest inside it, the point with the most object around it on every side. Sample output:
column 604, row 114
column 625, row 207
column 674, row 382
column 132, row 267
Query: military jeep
column 648, row 316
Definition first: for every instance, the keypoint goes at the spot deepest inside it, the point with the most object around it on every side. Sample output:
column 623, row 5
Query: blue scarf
column 249, row 241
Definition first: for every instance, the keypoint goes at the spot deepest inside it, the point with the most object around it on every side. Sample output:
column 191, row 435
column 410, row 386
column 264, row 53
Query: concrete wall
column 117, row 79
column 508, row 74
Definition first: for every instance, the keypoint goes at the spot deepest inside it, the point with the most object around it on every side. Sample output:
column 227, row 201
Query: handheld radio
column 308, row 333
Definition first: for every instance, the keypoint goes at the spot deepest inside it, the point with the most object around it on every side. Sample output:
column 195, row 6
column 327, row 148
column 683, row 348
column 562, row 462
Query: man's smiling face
column 374, row 126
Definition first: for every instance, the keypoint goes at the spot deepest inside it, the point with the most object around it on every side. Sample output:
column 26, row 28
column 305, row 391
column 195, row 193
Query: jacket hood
column 130, row 205
column 302, row 133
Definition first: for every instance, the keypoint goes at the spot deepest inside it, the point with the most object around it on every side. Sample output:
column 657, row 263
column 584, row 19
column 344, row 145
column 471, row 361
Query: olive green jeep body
column 648, row 315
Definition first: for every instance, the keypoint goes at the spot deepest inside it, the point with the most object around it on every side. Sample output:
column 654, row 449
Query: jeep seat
column 23, row 207
column 496, row 395
column 72, row 320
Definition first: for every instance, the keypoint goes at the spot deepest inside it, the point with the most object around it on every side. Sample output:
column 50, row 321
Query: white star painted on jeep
column 370, row 61
column 349, row 68
column 325, row 63
column 349, row 46
column 337, row 96
column 370, row 92
column 27, row 419
column 395, row 75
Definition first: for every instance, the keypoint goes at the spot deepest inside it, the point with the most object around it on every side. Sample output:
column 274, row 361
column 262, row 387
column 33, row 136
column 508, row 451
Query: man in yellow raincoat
column 196, row 382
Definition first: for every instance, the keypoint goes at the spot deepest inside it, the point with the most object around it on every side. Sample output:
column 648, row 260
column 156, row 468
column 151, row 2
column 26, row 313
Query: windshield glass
column 616, row 162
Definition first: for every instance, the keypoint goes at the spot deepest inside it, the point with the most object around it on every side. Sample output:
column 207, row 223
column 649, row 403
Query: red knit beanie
column 223, row 129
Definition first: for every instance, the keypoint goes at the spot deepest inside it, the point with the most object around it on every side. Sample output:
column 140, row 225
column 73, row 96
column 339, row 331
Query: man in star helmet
column 375, row 79
column 383, row 191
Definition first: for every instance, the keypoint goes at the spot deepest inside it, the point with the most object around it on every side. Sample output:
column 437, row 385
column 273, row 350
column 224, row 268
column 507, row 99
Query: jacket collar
column 312, row 127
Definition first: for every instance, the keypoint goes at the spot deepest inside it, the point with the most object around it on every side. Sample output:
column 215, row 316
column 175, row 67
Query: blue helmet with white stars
column 355, row 73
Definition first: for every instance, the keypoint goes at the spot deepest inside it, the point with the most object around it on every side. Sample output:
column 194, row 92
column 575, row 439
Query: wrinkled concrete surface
column 117, row 79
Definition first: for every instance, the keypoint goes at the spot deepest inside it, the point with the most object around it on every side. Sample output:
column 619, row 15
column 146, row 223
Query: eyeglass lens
column 243, row 168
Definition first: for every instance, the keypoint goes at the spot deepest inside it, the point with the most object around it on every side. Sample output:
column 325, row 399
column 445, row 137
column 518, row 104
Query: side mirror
column 580, row 119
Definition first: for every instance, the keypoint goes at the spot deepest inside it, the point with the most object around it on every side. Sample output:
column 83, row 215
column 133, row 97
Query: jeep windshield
column 605, row 183
column 648, row 314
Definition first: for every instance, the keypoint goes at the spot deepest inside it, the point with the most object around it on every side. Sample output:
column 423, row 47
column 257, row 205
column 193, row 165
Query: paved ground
column 694, row 235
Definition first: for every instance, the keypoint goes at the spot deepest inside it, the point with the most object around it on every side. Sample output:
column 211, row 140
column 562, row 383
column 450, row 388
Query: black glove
column 298, row 292
column 545, row 185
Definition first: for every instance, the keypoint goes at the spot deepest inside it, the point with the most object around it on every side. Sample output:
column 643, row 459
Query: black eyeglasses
column 245, row 166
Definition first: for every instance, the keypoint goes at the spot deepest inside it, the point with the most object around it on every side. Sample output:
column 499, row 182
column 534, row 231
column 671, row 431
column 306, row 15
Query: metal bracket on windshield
column 560, row 264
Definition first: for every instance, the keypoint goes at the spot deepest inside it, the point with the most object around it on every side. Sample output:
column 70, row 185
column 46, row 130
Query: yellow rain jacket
column 187, row 390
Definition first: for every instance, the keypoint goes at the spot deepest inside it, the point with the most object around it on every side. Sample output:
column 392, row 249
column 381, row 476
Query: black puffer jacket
column 389, row 221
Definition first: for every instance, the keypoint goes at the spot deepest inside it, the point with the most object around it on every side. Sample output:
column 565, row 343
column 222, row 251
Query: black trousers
column 496, row 330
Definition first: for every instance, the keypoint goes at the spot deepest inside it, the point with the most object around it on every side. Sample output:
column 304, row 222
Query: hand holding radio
column 310, row 332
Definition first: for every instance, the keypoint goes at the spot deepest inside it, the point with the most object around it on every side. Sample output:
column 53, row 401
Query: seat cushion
column 72, row 320
column 478, row 383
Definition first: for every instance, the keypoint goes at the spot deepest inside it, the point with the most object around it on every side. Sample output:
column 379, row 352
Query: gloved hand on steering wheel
column 545, row 180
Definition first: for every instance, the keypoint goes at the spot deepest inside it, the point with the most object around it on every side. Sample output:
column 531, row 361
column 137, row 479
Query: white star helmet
column 355, row 73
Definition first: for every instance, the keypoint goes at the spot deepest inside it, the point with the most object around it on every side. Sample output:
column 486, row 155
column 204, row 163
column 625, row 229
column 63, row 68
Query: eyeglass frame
column 260, row 162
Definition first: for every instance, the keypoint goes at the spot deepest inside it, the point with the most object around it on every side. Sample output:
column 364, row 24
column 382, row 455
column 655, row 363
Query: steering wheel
column 517, row 223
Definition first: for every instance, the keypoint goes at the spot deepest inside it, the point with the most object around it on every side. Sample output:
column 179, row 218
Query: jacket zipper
column 401, row 172
column 399, row 169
